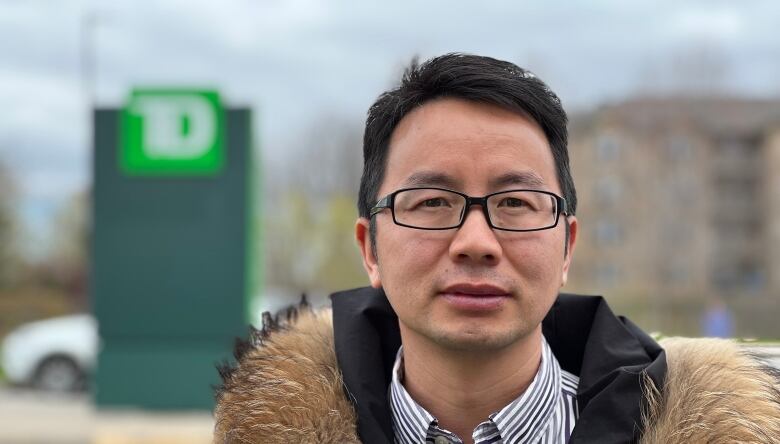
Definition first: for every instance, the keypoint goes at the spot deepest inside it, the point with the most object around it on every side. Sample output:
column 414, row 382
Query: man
column 467, row 229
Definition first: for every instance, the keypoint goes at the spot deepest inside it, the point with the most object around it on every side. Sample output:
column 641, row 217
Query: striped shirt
column 544, row 413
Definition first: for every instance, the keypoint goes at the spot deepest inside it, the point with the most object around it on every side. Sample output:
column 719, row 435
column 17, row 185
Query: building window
column 607, row 148
column 608, row 190
column 676, row 273
column 608, row 233
column 740, row 276
column 679, row 148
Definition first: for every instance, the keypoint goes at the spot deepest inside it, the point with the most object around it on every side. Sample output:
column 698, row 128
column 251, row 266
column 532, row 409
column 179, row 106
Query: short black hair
column 466, row 77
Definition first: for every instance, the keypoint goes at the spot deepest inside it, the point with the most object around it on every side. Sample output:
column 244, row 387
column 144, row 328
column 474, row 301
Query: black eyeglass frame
column 389, row 202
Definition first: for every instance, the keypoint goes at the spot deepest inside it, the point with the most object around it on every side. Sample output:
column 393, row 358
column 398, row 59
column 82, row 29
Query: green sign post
column 170, row 260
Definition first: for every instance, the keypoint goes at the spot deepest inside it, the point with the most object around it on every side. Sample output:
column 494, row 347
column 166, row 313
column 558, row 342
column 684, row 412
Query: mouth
column 475, row 297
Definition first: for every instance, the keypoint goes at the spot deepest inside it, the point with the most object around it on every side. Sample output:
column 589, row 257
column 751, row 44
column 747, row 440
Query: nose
column 475, row 241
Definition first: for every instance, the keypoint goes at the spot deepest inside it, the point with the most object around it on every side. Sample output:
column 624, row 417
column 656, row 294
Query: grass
column 753, row 341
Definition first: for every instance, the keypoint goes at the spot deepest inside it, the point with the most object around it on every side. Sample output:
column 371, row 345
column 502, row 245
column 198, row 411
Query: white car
column 55, row 354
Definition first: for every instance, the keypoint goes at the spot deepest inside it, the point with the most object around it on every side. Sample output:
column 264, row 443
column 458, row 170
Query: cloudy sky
column 299, row 61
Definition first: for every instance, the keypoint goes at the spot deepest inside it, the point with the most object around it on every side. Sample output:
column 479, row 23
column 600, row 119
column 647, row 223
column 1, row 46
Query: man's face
column 471, row 288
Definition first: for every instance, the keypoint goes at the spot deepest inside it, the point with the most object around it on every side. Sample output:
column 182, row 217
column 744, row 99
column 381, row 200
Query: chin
column 477, row 340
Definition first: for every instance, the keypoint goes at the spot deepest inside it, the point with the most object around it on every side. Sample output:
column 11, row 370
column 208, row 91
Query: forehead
column 470, row 146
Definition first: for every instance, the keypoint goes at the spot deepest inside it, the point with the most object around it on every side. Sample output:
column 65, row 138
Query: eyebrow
column 435, row 179
column 522, row 178
column 430, row 178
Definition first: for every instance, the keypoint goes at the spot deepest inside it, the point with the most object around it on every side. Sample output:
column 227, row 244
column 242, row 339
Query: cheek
column 538, row 259
column 407, row 267
column 407, row 257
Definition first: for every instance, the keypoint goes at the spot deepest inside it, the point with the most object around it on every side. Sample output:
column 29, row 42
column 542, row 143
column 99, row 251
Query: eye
column 435, row 202
column 512, row 202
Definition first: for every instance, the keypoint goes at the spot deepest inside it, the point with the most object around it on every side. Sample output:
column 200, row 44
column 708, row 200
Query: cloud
column 42, row 104
column 296, row 61
column 712, row 24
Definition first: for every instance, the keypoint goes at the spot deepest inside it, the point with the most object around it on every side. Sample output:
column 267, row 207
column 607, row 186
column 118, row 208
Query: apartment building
column 678, row 198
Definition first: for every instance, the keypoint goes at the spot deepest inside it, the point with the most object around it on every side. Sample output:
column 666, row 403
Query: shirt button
column 441, row 440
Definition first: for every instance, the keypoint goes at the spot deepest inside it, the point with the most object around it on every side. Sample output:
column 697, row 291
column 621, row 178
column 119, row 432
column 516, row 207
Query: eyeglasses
column 440, row 209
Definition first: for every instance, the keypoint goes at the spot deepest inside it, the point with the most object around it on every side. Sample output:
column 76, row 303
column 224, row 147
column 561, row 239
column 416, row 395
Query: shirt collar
column 528, row 415
column 519, row 421
column 410, row 421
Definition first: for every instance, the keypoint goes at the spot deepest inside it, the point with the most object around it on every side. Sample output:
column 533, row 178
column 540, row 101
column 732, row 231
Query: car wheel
column 58, row 374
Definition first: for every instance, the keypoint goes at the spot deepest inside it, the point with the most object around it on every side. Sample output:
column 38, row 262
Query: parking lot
column 32, row 417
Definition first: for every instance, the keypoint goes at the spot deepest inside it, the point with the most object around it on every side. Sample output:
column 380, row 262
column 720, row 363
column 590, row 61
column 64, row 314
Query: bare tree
column 67, row 260
column 10, row 262
column 310, row 212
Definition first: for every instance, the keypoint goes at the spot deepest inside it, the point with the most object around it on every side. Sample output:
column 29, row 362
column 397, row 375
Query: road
column 31, row 417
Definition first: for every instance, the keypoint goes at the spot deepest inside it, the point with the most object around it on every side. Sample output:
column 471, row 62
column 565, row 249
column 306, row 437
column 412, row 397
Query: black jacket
column 608, row 353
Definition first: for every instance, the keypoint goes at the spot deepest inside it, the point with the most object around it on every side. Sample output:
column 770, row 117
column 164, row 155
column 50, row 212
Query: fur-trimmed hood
column 287, row 388
column 714, row 392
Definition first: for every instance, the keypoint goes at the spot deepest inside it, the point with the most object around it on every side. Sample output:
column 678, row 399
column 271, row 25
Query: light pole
column 88, row 55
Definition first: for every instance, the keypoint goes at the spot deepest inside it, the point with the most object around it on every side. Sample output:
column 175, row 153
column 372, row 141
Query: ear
column 569, row 248
column 369, row 258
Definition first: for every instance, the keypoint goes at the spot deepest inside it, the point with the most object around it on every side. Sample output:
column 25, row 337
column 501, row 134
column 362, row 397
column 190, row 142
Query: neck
column 462, row 388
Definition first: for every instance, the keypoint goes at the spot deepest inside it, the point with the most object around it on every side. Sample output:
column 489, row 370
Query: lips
column 475, row 297
column 475, row 290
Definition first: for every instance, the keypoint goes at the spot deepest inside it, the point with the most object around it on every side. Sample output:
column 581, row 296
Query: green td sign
column 172, row 132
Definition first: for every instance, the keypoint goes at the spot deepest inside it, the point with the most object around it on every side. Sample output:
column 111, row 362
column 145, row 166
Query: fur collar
column 287, row 388
column 714, row 392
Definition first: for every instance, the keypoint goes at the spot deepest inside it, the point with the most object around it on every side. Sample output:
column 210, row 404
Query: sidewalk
column 129, row 427
column 29, row 417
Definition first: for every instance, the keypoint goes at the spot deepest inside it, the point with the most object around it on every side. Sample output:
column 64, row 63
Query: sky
column 295, row 62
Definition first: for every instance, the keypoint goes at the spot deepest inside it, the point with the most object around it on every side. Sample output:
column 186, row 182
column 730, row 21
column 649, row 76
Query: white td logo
column 163, row 117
